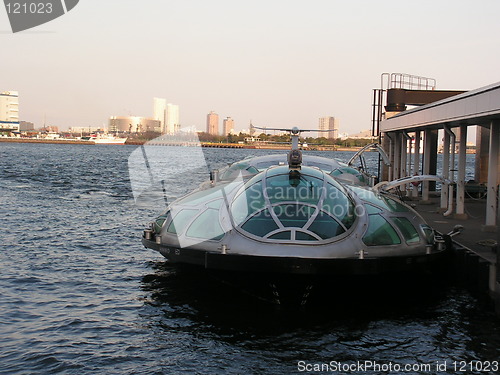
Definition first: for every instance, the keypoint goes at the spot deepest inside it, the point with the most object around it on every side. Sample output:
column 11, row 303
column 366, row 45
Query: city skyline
column 302, row 61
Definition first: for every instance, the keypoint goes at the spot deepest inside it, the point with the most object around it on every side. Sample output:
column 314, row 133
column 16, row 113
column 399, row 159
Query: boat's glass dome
column 284, row 205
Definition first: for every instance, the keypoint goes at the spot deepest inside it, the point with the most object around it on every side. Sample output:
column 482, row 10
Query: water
column 80, row 295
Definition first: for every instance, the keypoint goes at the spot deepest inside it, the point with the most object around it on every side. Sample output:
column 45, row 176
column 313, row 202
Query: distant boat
column 99, row 138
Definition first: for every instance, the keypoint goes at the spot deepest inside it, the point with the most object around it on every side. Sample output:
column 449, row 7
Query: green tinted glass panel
column 380, row 232
column 181, row 219
column 158, row 224
column 293, row 215
column 372, row 209
column 337, row 204
column 260, row 224
column 379, row 200
column 409, row 232
column 234, row 170
column 248, row 202
column 206, row 226
column 348, row 170
column 305, row 172
column 325, row 226
column 287, row 235
column 395, row 206
column 215, row 204
column 301, row 236
column 305, row 189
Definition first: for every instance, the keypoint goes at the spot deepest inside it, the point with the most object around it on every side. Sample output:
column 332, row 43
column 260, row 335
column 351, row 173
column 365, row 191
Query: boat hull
column 300, row 266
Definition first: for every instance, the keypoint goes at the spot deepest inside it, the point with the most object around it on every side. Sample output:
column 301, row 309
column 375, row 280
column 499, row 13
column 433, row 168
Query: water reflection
column 228, row 300
column 407, row 321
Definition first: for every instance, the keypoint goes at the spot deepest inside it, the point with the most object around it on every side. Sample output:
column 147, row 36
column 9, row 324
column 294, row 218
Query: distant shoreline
column 261, row 146
column 47, row 141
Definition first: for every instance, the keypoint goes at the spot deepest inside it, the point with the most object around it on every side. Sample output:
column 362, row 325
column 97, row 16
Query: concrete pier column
column 396, row 172
column 482, row 154
column 387, row 146
column 430, row 157
column 404, row 155
column 460, row 213
column 416, row 161
column 446, row 170
column 433, row 142
column 492, row 197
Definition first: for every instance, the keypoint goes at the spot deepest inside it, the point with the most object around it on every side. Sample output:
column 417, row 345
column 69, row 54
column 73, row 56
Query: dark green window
column 260, row 224
column 301, row 236
column 395, row 206
column 325, row 226
column 337, row 204
column 307, row 189
column 409, row 232
column 380, row 232
column 286, row 235
column 293, row 215
column 379, row 200
column 372, row 209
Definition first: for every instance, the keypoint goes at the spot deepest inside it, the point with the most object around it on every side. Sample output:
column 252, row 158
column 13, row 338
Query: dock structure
column 410, row 138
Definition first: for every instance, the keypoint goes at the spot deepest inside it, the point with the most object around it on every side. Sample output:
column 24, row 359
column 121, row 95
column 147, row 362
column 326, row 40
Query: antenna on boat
column 294, row 155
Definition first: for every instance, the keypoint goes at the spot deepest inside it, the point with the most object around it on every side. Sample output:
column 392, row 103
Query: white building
column 9, row 111
column 331, row 124
column 172, row 122
column 160, row 111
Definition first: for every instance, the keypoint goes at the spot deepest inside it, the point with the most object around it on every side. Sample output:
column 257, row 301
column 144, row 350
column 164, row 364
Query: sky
column 275, row 63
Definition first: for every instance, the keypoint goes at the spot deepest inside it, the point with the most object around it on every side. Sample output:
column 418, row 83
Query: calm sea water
column 80, row 295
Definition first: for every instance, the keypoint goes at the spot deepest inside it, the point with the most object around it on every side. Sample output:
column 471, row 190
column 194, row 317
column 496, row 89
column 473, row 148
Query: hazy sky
column 277, row 63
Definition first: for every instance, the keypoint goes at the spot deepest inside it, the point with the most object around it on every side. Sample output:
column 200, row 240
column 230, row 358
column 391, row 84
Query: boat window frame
column 305, row 228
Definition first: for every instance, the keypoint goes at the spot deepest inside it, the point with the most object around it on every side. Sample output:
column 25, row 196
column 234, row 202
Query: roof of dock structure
column 473, row 107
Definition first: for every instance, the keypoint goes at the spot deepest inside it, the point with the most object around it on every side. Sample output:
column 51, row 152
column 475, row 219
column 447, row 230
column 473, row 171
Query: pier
column 410, row 138
column 475, row 256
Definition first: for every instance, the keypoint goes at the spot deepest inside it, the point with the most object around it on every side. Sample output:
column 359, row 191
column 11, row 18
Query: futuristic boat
column 294, row 214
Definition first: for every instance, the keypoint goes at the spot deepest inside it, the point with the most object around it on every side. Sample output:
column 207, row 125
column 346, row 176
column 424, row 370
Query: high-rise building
column 330, row 124
column 172, row 122
column 159, row 111
column 213, row 123
column 227, row 126
column 9, row 111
